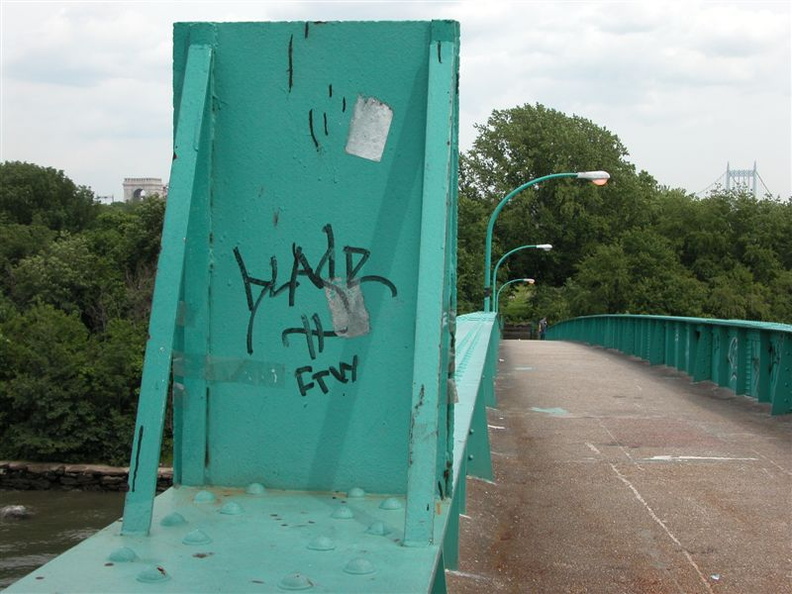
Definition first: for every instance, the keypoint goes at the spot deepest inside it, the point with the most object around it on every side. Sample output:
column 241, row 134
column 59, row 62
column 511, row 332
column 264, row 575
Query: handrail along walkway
column 749, row 358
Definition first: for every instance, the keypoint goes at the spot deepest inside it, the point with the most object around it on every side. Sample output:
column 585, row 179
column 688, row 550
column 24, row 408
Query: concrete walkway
column 612, row 476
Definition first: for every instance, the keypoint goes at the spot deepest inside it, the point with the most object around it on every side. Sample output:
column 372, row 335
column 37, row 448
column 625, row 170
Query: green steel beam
column 427, row 436
column 193, row 116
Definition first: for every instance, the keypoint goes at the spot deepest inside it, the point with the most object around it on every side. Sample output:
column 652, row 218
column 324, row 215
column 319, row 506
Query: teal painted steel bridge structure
column 328, row 404
column 749, row 358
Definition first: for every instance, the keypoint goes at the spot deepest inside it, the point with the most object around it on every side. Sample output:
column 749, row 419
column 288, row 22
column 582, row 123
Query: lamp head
column 530, row 281
column 544, row 246
column 598, row 178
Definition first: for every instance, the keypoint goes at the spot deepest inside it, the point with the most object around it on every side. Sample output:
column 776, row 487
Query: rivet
column 343, row 513
column 153, row 574
column 204, row 497
column 321, row 543
column 470, row 456
column 255, row 489
column 196, row 537
column 378, row 528
column 295, row 581
column 356, row 492
column 173, row 519
column 359, row 566
column 122, row 555
column 471, row 431
column 231, row 508
column 391, row 503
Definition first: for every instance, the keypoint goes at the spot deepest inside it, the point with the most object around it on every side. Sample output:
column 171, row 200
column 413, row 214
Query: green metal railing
column 750, row 358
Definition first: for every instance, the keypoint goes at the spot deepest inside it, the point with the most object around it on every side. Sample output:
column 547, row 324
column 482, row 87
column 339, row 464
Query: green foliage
column 77, row 279
column 34, row 195
column 43, row 392
column 58, row 275
column 629, row 247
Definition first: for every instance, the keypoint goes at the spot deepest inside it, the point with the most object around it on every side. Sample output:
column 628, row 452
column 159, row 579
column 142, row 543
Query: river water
column 60, row 520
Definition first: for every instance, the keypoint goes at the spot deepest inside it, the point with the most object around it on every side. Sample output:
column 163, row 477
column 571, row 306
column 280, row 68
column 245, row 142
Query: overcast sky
column 687, row 86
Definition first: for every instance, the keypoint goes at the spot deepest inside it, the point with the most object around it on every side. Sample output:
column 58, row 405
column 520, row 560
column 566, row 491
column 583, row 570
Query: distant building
column 136, row 188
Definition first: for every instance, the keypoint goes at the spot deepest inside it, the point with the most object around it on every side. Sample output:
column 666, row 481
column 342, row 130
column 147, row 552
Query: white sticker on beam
column 368, row 130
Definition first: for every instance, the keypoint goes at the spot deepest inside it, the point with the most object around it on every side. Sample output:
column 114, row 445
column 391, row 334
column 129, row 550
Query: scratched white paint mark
column 698, row 458
column 556, row 412
column 662, row 525
column 471, row 576
column 481, row 480
column 369, row 128
column 593, row 448
column 347, row 309
column 495, row 427
column 523, row 369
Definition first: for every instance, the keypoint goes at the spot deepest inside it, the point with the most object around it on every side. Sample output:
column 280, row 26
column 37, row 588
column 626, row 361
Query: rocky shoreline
column 39, row 476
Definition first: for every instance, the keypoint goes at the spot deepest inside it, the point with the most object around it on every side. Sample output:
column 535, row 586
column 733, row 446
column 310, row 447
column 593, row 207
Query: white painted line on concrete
column 624, row 450
column 665, row 528
column 593, row 448
column 495, row 427
column 697, row 459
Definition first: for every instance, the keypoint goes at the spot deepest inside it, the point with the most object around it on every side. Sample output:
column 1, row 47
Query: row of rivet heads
column 295, row 581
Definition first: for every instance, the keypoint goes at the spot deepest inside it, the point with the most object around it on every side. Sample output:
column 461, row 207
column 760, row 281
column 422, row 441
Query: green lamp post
column 530, row 281
column 596, row 177
column 542, row 246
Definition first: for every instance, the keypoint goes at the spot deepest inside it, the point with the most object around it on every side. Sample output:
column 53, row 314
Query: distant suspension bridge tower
column 741, row 178
column 738, row 179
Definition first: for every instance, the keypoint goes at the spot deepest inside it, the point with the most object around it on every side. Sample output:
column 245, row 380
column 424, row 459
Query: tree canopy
column 631, row 246
column 77, row 278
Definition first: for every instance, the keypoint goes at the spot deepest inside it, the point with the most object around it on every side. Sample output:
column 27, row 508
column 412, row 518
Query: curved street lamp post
column 597, row 177
column 494, row 281
column 530, row 281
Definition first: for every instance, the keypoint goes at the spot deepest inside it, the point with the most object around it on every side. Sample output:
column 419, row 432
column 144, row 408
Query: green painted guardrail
column 750, row 358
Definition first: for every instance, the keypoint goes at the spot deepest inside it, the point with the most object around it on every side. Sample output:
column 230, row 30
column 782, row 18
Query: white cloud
column 687, row 86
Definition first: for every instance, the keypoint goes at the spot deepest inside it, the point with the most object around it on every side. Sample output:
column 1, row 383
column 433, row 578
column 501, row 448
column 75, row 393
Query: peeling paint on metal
column 347, row 308
column 369, row 128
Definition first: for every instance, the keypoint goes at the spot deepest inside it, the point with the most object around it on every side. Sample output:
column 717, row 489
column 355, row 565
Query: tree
column 31, row 194
column 527, row 142
column 67, row 275
column 46, row 410
column 74, row 303
column 17, row 242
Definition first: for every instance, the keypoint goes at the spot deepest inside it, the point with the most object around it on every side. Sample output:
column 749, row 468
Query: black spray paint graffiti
column 339, row 373
column 317, row 122
column 342, row 294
